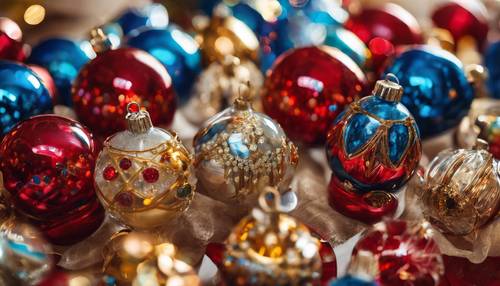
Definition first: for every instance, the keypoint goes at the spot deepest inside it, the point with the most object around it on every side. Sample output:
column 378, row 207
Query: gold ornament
column 143, row 175
column 270, row 247
column 462, row 190
column 241, row 151
column 217, row 87
column 134, row 259
column 225, row 35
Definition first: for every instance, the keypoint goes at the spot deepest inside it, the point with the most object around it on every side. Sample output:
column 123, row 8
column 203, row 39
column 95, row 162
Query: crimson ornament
column 48, row 163
column 308, row 87
column 115, row 78
column 401, row 253
column 11, row 47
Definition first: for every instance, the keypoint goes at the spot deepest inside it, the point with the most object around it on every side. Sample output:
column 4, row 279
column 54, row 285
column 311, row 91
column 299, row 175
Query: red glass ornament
column 150, row 175
column 11, row 28
column 47, row 80
column 308, row 87
column 11, row 49
column 461, row 272
column 389, row 21
column 405, row 251
column 114, row 78
column 48, row 163
column 369, row 208
column 463, row 18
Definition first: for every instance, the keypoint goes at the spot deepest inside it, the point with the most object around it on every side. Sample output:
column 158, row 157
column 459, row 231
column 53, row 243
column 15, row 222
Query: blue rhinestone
column 36, row 180
column 358, row 132
column 184, row 191
column 237, row 147
column 398, row 141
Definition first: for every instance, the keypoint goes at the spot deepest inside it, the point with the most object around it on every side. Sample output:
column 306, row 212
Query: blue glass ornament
column 63, row 59
column 349, row 280
column 347, row 42
column 176, row 50
column 436, row 90
column 375, row 143
column 152, row 15
column 22, row 95
column 492, row 62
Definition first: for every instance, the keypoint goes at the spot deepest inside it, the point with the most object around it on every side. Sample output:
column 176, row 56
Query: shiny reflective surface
column 405, row 251
column 108, row 83
column 47, row 164
column 151, row 15
column 11, row 49
column 462, row 190
column 374, row 145
column 24, row 254
column 492, row 62
column 22, row 94
column 176, row 50
column 307, row 88
column 463, row 18
column 10, row 28
column 238, row 152
column 63, row 59
column 436, row 90
column 348, row 43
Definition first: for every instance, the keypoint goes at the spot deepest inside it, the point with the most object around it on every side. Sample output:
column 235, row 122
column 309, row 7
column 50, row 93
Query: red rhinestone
column 109, row 173
column 125, row 163
column 150, row 175
column 125, row 199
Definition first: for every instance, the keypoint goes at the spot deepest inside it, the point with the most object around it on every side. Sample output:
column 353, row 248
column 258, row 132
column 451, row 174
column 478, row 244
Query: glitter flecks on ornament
column 239, row 151
column 143, row 174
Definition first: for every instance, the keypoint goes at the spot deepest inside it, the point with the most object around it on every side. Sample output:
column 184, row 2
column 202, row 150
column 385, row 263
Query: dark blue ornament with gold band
column 63, row 59
column 22, row 95
column 436, row 90
column 375, row 143
column 176, row 50
column 492, row 62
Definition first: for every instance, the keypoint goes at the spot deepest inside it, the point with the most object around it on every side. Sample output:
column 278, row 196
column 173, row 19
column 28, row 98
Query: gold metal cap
column 389, row 88
column 99, row 40
column 481, row 144
column 243, row 101
column 138, row 121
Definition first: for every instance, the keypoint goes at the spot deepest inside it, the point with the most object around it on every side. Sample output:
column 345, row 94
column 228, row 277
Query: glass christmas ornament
column 225, row 35
column 63, row 58
column 462, row 190
column 25, row 255
column 239, row 151
column 10, row 48
column 10, row 28
column 402, row 253
column 492, row 62
column 437, row 92
column 348, row 43
column 389, row 21
column 177, row 51
column 375, row 144
column 47, row 80
column 143, row 175
column 269, row 247
column 115, row 78
column 152, row 15
column 217, row 87
column 23, row 95
column 308, row 87
column 47, row 163
column 462, row 19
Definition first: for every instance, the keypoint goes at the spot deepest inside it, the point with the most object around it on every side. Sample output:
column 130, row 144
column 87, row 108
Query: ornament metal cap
column 243, row 101
column 99, row 40
column 138, row 121
column 389, row 88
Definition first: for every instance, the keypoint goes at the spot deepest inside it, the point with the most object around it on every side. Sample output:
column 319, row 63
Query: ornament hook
column 270, row 200
column 138, row 120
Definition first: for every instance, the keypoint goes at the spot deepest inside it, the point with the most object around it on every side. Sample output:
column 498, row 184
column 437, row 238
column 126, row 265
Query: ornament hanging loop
column 270, row 200
column 138, row 121
column 389, row 88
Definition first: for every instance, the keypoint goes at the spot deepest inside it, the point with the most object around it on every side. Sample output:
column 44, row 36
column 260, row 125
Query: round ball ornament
column 218, row 86
column 177, row 51
column 47, row 80
column 63, row 58
column 375, row 144
column 25, row 258
column 269, row 247
column 143, row 174
column 492, row 62
column 23, row 95
column 152, row 15
column 240, row 151
column 115, row 78
column 436, row 92
column 306, row 100
column 47, row 163
column 401, row 253
column 11, row 48
column 462, row 190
